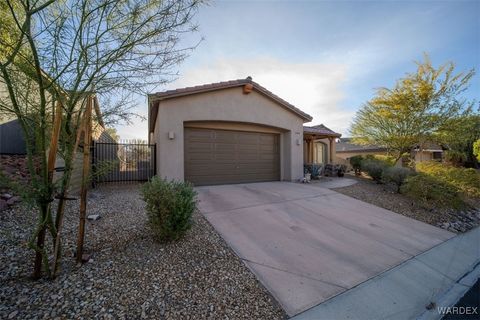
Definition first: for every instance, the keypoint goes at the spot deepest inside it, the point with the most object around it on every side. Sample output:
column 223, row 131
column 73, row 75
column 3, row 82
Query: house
column 345, row 149
column 231, row 132
column 13, row 147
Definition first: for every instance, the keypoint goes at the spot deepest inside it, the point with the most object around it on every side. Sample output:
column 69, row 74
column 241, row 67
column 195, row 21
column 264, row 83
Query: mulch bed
column 130, row 276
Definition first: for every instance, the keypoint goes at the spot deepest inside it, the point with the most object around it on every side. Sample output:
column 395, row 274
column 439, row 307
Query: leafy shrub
column 387, row 160
column 476, row 149
column 466, row 181
column 356, row 162
column 396, row 175
column 456, row 158
column 374, row 168
column 170, row 205
column 431, row 191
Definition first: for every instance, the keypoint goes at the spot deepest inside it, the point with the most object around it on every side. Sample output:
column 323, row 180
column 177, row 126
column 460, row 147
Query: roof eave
column 154, row 99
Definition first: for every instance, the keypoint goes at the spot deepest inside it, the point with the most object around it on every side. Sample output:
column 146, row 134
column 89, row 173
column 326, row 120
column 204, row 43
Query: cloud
column 316, row 88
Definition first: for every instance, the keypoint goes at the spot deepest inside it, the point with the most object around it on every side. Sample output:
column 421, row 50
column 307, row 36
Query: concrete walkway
column 307, row 244
column 333, row 182
column 441, row 275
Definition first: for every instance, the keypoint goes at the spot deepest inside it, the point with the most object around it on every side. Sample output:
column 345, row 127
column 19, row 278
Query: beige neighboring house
column 12, row 141
column 422, row 152
column 227, row 132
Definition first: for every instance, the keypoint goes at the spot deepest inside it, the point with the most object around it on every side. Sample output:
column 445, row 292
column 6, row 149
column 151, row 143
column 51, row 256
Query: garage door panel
column 224, row 147
column 267, row 139
column 201, row 146
column 223, row 156
column 198, row 135
column 247, row 147
column 200, row 156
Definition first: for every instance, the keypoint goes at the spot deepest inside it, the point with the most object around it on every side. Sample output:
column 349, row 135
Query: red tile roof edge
column 169, row 94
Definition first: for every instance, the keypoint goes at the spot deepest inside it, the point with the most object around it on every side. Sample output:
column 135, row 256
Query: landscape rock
column 93, row 217
column 12, row 200
column 6, row 196
column 133, row 275
column 445, row 218
column 3, row 205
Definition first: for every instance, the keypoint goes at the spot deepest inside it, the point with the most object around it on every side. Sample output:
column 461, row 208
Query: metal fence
column 123, row 162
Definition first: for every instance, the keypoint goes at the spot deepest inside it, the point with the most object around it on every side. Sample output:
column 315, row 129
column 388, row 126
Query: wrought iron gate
column 123, row 162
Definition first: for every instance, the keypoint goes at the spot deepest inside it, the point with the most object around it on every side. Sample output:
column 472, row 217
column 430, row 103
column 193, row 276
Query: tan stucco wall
column 229, row 105
column 421, row 156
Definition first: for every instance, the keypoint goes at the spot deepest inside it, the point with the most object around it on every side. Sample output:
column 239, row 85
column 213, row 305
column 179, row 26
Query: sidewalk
column 404, row 291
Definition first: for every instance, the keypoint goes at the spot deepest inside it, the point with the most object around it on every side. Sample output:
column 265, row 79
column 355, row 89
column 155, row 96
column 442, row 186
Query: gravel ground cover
column 386, row 197
column 130, row 276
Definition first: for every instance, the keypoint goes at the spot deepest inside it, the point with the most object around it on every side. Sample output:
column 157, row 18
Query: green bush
column 466, row 181
column 476, row 149
column 356, row 162
column 456, row 158
column 374, row 168
column 396, row 175
column 170, row 205
column 431, row 191
column 387, row 160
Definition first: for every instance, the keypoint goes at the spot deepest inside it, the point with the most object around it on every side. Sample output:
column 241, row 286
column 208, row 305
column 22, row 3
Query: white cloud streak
column 315, row 88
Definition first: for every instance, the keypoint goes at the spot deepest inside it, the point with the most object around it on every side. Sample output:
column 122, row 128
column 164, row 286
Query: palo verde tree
column 411, row 112
column 59, row 52
column 460, row 134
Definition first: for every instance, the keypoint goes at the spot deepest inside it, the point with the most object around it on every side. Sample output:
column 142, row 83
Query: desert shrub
column 374, row 168
column 356, row 163
column 456, row 158
column 476, row 149
column 387, row 160
column 466, row 181
column 431, row 191
column 396, row 175
column 170, row 205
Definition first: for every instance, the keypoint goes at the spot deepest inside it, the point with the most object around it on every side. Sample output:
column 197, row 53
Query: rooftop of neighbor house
column 430, row 146
column 321, row 130
column 346, row 145
column 155, row 98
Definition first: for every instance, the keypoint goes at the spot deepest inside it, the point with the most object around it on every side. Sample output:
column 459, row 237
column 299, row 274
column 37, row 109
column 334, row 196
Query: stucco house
column 345, row 149
column 229, row 132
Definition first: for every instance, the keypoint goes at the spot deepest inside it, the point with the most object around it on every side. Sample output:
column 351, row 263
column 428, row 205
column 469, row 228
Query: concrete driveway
column 307, row 244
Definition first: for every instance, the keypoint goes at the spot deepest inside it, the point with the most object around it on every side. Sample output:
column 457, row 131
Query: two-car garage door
column 225, row 156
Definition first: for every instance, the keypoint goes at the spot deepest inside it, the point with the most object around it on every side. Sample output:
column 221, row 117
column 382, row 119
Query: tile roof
column 320, row 130
column 155, row 98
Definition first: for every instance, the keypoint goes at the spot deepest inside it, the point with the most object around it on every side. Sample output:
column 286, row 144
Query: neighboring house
column 422, row 152
column 428, row 151
column 227, row 132
column 11, row 138
column 347, row 149
column 12, row 141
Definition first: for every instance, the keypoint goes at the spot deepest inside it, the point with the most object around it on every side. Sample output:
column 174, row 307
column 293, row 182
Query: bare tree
column 61, row 51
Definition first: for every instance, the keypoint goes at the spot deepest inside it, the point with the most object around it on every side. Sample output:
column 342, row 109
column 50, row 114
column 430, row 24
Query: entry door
column 223, row 156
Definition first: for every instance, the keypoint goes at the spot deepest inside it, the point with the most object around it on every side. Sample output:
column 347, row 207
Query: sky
column 325, row 57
